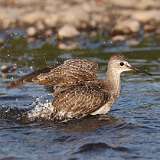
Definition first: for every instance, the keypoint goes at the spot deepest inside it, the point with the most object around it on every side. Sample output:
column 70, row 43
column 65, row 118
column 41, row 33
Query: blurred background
column 54, row 27
column 38, row 33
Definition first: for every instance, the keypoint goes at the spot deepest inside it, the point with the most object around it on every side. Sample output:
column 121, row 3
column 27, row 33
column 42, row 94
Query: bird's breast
column 104, row 109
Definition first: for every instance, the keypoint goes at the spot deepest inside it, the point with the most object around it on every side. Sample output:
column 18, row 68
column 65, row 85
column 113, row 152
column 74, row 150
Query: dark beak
column 140, row 70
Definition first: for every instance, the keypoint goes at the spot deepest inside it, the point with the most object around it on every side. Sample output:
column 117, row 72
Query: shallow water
column 130, row 131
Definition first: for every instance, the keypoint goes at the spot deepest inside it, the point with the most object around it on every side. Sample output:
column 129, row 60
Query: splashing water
column 38, row 110
column 41, row 110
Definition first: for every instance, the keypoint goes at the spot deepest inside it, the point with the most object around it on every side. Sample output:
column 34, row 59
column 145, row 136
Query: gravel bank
column 119, row 18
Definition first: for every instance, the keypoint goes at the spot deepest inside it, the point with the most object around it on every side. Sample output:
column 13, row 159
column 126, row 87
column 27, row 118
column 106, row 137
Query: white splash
column 40, row 110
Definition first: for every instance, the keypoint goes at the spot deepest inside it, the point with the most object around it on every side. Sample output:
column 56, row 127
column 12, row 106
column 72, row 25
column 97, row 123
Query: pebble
column 149, row 28
column 133, row 42
column 8, row 68
column 5, row 19
column 31, row 31
column 67, row 31
column 40, row 26
column 68, row 46
column 33, row 17
column 143, row 16
column 67, row 18
column 76, row 16
column 118, row 38
column 48, row 33
column 52, row 20
column 128, row 26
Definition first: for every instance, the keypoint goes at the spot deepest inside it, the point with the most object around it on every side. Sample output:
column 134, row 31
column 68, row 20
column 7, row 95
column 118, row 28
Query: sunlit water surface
column 130, row 131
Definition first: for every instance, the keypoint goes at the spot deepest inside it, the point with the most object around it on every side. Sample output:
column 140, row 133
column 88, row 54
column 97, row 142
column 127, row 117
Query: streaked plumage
column 78, row 92
column 79, row 100
column 70, row 72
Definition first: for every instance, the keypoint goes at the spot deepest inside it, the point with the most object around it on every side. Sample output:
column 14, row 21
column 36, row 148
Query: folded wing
column 79, row 101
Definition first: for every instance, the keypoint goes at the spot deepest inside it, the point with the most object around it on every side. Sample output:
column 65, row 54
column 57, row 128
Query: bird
column 77, row 90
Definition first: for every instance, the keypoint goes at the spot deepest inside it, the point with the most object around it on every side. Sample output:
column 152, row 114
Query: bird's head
column 118, row 63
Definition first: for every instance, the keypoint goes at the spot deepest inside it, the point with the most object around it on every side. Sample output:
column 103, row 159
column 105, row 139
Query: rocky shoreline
column 121, row 19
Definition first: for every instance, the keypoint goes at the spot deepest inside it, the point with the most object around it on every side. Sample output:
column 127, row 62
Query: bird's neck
column 114, row 82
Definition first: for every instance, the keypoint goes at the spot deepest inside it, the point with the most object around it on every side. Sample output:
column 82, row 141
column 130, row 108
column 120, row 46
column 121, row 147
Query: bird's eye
column 121, row 64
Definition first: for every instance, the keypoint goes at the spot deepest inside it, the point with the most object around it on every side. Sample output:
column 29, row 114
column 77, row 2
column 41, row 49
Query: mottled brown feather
column 118, row 56
column 80, row 100
column 29, row 77
column 70, row 72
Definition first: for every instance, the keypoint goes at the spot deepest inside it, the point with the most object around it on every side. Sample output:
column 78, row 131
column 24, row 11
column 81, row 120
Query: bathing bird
column 77, row 90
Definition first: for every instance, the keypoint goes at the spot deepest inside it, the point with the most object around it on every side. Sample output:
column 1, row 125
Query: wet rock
column 68, row 31
column 126, row 27
column 68, row 46
column 133, row 42
column 31, row 31
column 118, row 38
column 8, row 68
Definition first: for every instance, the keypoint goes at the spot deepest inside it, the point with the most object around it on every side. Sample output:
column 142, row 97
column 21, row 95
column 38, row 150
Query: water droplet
column 108, row 43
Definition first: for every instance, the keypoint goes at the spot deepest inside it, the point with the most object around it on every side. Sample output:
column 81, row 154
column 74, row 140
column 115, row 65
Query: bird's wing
column 70, row 72
column 79, row 100
column 28, row 77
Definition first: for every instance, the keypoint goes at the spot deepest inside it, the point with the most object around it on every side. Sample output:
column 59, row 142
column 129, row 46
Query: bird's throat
column 114, row 82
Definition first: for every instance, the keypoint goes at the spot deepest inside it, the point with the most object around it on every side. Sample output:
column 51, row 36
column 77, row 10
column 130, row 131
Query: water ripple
column 100, row 147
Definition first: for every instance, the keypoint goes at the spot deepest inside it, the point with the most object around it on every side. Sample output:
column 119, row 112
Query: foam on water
column 40, row 110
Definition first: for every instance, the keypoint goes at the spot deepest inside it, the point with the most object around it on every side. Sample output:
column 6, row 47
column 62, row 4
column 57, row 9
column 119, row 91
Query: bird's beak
column 139, row 70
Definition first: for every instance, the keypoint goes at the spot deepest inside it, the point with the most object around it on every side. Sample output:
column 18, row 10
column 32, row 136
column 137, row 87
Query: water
column 130, row 131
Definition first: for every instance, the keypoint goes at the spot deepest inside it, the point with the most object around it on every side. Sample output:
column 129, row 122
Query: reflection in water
column 100, row 147
column 90, row 123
